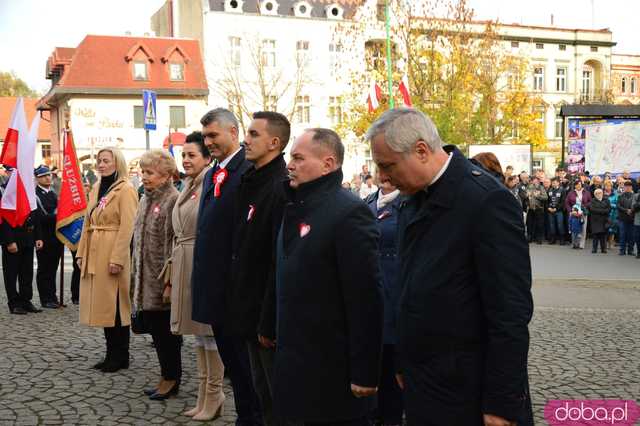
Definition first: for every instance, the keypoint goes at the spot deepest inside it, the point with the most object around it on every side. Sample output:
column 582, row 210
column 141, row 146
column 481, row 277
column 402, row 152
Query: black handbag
column 138, row 325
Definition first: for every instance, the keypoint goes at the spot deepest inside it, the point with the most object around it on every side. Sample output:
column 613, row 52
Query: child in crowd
column 575, row 225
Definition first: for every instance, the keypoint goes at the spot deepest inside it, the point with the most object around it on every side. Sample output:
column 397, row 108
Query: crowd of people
column 323, row 303
column 569, row 208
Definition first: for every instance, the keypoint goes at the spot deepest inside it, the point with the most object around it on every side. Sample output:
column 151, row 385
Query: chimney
column 552, row 19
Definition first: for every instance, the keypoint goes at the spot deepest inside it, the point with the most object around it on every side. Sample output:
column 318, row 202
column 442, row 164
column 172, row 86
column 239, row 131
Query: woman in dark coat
column 600, row 208
column 385, row 205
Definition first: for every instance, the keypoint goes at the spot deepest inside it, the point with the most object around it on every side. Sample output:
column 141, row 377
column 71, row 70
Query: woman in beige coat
column 104, row 258
column 195, row 160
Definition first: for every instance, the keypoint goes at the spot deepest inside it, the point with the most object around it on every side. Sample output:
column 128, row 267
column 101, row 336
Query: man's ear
column 329, row 164
column 274, row 144
column 422, row 150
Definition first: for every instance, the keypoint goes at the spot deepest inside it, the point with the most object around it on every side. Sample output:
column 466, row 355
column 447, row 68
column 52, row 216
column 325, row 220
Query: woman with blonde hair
column 104, row 257
column 210, row 402
column 152, row 245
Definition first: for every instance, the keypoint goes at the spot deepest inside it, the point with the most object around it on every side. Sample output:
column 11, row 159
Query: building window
column 587, row 83
column 562, row 47
column 381, row 10
column 559, row 123
column 303, row 109
column 633, row 85
column 538, row 79
column 623, row 86
column 272, row 103
column 302, row 51
column 376, row 55
column 515, row 44
column 515, row 132
column 140, row 71
column 46, row 150
column 335, row 109
column 176, row 117
column 540, row 115
column 334, row 55
column 138, row 117
column 176, row 72
column 269, row 53
column 561, row 80
column 594, row 48
column 539, row 46
column 235, row 50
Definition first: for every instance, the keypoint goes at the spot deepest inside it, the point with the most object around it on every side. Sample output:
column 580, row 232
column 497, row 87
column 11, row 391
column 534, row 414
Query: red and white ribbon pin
column 218, row 180
column 252, row 210
column 304, row 229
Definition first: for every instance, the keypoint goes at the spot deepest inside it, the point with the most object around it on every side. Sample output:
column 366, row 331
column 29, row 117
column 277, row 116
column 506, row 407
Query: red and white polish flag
column 18, row 151
column 375, row 94
column 404, row 90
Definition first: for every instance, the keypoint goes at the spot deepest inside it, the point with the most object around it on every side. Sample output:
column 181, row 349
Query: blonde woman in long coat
column 104, row 258
column 195, row 161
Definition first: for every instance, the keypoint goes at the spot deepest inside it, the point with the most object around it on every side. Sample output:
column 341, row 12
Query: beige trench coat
column 185, row 221
column 106, row 238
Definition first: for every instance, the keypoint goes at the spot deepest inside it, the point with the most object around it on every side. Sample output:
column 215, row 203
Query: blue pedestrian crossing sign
column 149, row 103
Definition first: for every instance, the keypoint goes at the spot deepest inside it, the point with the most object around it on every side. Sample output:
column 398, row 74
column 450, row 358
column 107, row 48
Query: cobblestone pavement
column 581, row 347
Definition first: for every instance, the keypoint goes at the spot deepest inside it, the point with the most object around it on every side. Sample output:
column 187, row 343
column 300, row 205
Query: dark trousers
column 168, row 345
column 626, row 237
column 556, row 226
column 600, row 237
column 355, row 422
column 117, row 338
column 17, row 268
column 75, row 279
column 262, row 361
column 535, row 225
column 235, row 357
column 637, row 232
column 390, row 406
column 48, row 260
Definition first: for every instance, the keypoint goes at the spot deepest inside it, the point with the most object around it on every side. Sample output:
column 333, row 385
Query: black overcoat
column 212, row 252
column 259, row 205
column 329, row 304
column 466, row 304
column 599, row 212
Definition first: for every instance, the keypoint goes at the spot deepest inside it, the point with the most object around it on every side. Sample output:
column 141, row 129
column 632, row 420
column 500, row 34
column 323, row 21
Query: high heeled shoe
column 162, row 396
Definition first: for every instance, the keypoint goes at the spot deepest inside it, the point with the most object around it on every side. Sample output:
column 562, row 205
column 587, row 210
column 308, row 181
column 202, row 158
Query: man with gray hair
column 463, row 318
column 328, row 292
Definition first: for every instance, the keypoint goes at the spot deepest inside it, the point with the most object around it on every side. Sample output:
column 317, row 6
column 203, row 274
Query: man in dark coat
column 329, row 302
column 466, row 304
column 250, row 297
column 212, row 255
column 18, row 244
column 50, row 254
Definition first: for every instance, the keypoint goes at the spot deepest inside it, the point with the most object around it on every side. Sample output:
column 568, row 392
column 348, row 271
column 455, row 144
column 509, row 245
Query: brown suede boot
column 201, row 361
column 214, row 400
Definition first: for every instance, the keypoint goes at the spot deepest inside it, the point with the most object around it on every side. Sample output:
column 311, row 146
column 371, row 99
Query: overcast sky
column 31, row 29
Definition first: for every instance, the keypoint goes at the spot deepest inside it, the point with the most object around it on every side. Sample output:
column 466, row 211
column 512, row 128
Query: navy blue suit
column 211, row 278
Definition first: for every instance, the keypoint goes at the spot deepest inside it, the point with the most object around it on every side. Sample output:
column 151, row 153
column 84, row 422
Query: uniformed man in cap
column 18, row 244
column 50, row 254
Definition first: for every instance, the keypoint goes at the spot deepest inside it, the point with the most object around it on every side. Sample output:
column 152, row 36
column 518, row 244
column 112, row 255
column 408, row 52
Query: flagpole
column 389, row 73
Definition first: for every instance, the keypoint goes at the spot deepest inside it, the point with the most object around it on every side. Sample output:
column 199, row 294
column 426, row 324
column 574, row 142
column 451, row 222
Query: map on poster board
column 518, row 156
column 612, row 146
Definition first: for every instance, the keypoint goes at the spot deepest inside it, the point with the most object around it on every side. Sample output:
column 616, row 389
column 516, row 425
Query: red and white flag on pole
column 19, row 197
column 404, row 90
column 375, row 94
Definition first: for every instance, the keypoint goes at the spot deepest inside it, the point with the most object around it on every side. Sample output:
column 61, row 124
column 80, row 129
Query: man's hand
column 400, row 380
column 79, row 262
column 12, row 248
column 166, row 295
column 491, row 420
column 361, row 392
column 266, row 342
column 39, row 244
column 114, row 269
